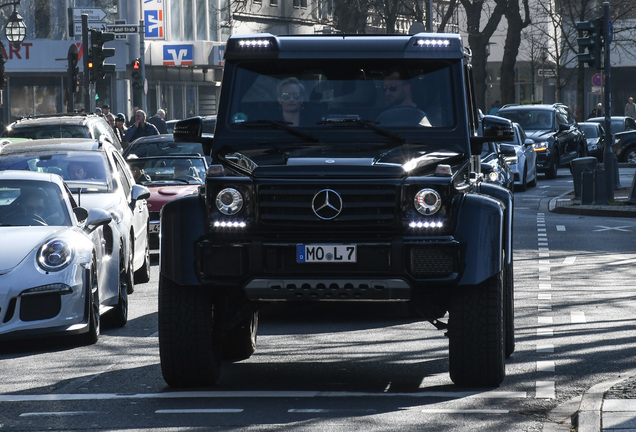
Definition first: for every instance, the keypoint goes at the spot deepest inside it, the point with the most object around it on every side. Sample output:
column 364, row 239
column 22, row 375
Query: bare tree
column 479, row 37
column 516, row 24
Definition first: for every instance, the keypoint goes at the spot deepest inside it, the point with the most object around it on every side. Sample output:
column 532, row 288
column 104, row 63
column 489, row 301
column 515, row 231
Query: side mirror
column 528, row 142
column 191, row 130
column 507, row 150
column 80, row 213
column 563, row 127
column 96, row 218
column 140, row 192
column 495, row 129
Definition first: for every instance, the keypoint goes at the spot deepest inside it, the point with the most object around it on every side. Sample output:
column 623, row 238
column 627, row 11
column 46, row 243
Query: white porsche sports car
column 54, row 266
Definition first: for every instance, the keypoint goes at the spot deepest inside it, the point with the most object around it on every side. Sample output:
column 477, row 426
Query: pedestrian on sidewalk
column 140, row 128
column 159, row 120
column 597, row 112
column 630, row 108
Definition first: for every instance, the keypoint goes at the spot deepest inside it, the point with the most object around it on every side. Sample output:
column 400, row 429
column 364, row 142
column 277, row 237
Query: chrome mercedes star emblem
column 327, row 204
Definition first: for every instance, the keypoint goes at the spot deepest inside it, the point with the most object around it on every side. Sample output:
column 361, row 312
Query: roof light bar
column 433, row 43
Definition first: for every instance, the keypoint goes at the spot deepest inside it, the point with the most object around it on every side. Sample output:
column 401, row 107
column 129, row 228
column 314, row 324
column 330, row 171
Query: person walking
column 630, row 108
column 159, row 120
column 140, row 128
column 597, row 112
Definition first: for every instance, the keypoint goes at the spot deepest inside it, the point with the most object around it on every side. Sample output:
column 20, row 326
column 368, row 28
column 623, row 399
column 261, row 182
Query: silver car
column 98, row 177
column 521, row 158
column 54, row 276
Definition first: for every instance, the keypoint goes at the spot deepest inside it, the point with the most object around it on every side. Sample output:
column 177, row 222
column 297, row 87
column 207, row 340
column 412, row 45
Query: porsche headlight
column 427, row 202
column 55, row 255
column 229, row 201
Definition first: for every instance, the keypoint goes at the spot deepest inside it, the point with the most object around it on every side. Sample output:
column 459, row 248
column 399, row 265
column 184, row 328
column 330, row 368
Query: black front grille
column 437, row 261
column 366, row 205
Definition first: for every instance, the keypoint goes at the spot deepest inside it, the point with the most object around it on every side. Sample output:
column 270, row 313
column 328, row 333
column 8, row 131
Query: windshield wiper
column 282, row 125
column 367, row 124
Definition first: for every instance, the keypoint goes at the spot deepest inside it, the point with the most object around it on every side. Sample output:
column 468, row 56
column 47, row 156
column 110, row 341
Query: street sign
column 597, row 80
column 546, row 73
column 123, row 28
column 96, row 25
column 596, row 89
column 94, row 14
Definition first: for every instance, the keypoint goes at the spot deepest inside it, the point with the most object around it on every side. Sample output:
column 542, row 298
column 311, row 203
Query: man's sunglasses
column 285, row 96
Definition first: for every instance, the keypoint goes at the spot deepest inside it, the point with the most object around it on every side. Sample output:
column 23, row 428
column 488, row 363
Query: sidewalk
column 608, row 406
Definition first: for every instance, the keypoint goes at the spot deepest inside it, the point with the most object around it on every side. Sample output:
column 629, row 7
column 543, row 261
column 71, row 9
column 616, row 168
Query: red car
column 168, row 178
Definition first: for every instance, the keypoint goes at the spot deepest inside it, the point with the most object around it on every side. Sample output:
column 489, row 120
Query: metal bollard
column 587, row 187
column 600, row 187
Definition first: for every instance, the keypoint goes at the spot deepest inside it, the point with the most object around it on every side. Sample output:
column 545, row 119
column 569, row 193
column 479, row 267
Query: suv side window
column 630, row 124
column 121, row 167
column 562, row 117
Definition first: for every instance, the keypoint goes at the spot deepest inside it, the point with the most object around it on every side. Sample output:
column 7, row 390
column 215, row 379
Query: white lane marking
column 541, row 230
column 545, row 332
column 545, row 390
column 560, row 227
column 323, row 410
column 578, row 318
column 57, row 413
column 545, row 320
column 256, row 394
column 464, row 411
column 545, row 348
column 606, row 228
column 542, row 296
column 569, row 260
column 200, row 411
column 545, row 286
column 545, row 366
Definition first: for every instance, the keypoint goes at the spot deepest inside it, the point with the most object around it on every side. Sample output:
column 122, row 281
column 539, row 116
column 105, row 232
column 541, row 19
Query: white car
column 524, row 161
column 54, row 266
column 98, row 177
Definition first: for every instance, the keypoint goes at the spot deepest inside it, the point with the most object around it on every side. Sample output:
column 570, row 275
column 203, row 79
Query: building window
column 300, row 3
column 273, row 2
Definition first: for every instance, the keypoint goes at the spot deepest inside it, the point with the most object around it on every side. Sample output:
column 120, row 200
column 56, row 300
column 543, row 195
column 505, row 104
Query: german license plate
column 326, row 253
column 153, row 227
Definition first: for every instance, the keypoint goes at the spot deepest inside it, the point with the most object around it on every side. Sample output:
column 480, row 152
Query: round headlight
column 427, row 201
column 229, row 201
column 55, row 255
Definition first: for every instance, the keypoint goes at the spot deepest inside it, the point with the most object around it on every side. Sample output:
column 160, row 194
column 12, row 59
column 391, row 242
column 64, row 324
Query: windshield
column 319, row 94
column 168, row 170
column 28, row 203
column 530, row 119
column 86, row 170
column 590, row 131
column 49, row 131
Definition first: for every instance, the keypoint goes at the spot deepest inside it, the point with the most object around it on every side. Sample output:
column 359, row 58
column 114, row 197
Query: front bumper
column 384, row 270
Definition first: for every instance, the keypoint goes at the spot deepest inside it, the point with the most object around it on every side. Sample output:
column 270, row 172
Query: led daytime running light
column 427, row 224
column 254, row 43
column 433, row 43
column 229, row 224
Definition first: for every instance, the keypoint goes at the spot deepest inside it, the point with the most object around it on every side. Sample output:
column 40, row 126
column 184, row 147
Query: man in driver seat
column 29, row 209
column 402, row 110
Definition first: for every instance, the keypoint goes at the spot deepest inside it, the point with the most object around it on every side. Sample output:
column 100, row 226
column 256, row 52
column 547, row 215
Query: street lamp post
column 544, row 57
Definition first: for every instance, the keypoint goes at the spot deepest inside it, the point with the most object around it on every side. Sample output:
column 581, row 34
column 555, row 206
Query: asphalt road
column 347, row 367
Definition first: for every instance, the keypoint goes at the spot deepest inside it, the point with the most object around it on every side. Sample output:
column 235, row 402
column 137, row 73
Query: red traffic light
column 136, row 65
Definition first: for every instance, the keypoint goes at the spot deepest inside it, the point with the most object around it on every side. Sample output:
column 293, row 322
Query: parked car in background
column 98, row 177
column 56, row 277
column 168, row 178
column 63, row 126
column 595, row 136
column 494, row 166
column 163, row 145
column 554, row 130
column 209, row 122
column 521, row 158
column 623, row 137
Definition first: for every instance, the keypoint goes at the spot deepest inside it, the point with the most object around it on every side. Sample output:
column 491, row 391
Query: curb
column 625, row 210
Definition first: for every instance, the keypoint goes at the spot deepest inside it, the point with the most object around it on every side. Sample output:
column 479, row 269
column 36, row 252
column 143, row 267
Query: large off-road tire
column 189, row 335
column 239, row 343
column 143, row 274
column 476, row 334
column 553, row 169
column 92, row 308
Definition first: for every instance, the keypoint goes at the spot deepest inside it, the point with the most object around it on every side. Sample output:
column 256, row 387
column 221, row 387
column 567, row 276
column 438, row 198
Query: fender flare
column 182, row 224
column 480, row 230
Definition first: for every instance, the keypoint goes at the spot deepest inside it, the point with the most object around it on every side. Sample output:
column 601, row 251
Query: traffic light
column 73, row 68
column 98, row 54
column 593, row 42
column 137, row 81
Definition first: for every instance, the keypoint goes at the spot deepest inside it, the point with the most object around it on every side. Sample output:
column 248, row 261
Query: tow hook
column 439, row 325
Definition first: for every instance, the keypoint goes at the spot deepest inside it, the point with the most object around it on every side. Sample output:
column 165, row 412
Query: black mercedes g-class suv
column 342, row 170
